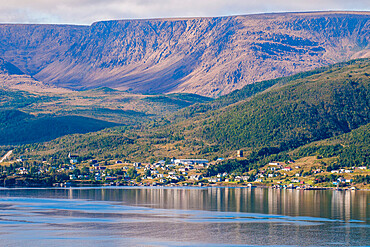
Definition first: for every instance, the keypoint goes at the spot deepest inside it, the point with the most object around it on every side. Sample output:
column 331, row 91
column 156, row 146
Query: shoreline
column 106, row 186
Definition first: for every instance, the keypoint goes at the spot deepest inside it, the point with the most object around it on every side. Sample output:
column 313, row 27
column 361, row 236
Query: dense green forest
column 302, row 111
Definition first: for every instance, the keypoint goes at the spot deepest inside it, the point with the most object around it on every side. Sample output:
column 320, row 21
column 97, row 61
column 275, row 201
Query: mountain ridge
column 210, row 56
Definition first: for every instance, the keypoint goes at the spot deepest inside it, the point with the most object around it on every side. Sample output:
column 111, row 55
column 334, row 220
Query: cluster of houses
column 176, row 170
column 187, row 170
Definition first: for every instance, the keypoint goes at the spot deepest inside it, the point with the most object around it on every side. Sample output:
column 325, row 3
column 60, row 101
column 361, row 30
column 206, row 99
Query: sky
column 89, row 11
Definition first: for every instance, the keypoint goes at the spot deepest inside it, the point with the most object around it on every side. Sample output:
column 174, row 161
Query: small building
column 239, row 153
column 214, row 180
column 196, row 177
column 190, row 161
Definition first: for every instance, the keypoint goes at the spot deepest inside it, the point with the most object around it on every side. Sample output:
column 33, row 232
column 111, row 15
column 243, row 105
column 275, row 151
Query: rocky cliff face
column 207, row 56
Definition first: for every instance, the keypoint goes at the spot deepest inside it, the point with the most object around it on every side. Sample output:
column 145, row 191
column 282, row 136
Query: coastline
column 107, row 186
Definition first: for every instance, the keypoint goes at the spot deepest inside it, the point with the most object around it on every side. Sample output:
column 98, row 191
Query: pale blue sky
column 88, row 11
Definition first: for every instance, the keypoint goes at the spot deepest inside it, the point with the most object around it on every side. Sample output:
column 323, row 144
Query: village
column 178, row 172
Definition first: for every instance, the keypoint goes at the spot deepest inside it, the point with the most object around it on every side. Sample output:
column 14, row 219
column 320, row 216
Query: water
column 132, row 216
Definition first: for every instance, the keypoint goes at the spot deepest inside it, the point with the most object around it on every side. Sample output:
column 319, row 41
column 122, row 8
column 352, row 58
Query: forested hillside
column 305, row 110
column 291, row 113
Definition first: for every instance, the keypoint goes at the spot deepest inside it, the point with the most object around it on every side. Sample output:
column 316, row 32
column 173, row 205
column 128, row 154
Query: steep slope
column 283, row 117
column 305, row 110
column 207, row 56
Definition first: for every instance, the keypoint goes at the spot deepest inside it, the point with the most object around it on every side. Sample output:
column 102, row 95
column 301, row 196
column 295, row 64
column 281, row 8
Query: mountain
column 278, row 116
column 206, row 56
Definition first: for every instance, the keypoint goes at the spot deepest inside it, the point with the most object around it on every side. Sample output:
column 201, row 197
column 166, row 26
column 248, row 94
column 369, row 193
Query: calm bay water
column 132, row 216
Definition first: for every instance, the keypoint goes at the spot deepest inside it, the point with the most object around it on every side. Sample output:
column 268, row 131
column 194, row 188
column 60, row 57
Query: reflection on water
column 183, row 217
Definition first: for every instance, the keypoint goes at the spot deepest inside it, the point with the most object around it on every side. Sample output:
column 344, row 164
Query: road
column 6, row 156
